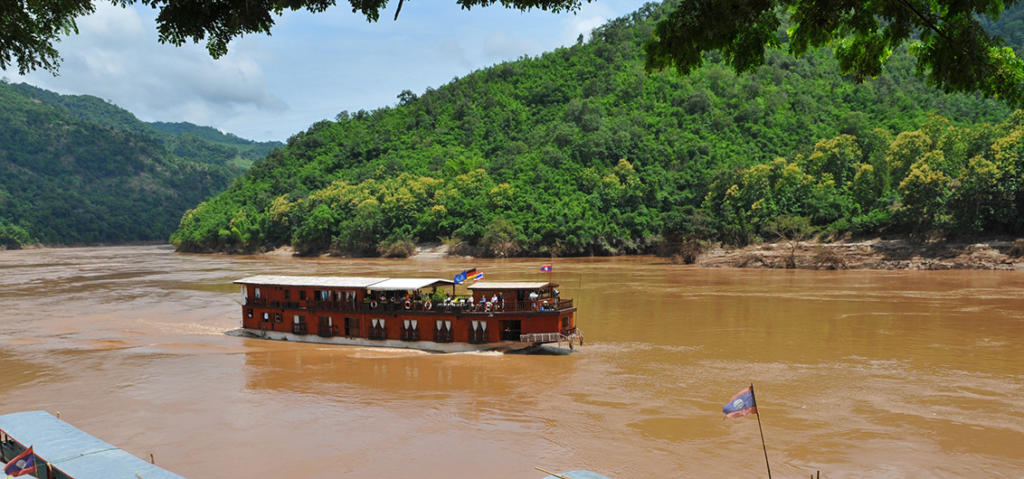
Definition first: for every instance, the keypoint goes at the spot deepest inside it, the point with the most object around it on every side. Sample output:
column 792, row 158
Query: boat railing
column 461, row 306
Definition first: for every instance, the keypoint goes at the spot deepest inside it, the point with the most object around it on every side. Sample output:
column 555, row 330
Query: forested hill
column 80, row 170
column 580, row 151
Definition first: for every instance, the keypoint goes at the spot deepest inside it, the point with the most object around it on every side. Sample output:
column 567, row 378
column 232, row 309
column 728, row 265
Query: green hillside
column 580, row 151
column 80, row 170
column 198, row 142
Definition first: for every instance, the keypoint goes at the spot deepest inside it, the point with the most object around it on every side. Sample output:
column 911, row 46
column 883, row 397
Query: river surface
column 857, row 373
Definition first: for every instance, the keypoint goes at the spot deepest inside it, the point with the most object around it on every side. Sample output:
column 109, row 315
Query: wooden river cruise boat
column 414, row 313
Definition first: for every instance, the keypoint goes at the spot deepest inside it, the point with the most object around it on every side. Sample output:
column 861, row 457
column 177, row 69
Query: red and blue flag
column 25, row 463
column 741, row 404
column 478, row 276
column 546, row 267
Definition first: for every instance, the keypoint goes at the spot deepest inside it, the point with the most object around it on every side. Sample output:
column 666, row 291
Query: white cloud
column 583, row 26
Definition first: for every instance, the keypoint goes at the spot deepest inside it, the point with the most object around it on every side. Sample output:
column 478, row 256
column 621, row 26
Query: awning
column 507, row 285
column 343, row 282
column 408, row 284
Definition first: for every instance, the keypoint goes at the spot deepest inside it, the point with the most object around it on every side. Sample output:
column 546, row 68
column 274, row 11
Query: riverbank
column 883, row 254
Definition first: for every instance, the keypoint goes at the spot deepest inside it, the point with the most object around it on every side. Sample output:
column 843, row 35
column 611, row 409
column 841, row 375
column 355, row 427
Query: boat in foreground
column 413, row 313
column 63, row 451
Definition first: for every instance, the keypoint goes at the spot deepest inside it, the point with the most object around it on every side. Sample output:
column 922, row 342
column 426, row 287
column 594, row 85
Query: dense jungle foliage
column 580, row 151
column 79, row 170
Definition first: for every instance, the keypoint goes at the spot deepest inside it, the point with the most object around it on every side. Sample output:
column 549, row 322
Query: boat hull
column 428, row 346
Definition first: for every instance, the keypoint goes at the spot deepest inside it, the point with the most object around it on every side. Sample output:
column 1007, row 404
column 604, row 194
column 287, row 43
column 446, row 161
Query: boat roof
column 321, row 281
column 488, row 285
column 350, row 282
column 74, row 451
column 408, row 284
column 580, row 474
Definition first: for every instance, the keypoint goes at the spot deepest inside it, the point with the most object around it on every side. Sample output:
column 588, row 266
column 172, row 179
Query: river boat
column 413, row 313
column 63, row 451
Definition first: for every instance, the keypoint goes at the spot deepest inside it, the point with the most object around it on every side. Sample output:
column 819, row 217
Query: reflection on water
column 859, row 373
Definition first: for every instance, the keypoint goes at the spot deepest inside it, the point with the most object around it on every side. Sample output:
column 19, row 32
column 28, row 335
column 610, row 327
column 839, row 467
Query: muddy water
column 858, row 374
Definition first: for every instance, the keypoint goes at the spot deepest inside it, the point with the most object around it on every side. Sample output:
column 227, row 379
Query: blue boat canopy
column 581, row 474
column 76, row 453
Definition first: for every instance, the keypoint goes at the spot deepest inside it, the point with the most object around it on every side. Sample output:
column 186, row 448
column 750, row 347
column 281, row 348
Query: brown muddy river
column 858, row 373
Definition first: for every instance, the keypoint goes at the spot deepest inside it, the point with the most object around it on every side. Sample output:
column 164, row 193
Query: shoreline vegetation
column 871, row 254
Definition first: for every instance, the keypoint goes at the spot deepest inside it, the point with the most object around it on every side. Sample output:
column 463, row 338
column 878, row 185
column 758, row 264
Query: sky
column 310, row 68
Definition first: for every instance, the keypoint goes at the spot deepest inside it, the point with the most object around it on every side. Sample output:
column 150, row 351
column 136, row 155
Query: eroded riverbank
column 871, row 254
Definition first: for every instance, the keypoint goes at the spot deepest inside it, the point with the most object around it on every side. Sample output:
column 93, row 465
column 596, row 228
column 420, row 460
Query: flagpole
column 758, row 414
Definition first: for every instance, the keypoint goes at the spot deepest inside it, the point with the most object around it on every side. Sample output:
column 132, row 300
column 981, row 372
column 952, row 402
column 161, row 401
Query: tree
column 29, row 29
column 953, row 51
column 791, row 230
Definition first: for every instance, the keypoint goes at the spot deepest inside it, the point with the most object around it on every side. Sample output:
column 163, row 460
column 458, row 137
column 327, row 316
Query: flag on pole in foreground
column 741, row 404
column 25, row 463
column 546, row 267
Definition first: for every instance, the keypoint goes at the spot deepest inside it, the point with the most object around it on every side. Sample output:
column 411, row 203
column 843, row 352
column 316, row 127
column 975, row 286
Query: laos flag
column 25, row 463
column 546, row 267
column 741, row 404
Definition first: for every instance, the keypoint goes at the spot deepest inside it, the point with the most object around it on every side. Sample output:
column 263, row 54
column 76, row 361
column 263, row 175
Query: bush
column 13, row 237
column 1018, row 248
column 397, row 248
column 499, row 239
column 686, row 251
column 825, row 257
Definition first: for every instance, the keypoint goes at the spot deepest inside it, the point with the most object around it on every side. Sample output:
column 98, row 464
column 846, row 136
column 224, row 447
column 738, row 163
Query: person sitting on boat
column 533, row 299
column 494, row 299
column 469, row 303
column 501, row 301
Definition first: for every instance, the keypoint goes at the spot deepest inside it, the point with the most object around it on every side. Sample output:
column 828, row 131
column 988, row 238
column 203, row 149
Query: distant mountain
column 75, row 169
column 247, row 150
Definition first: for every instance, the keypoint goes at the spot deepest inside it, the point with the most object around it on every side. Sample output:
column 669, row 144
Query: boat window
column 277, row 317
column 248, row 313
column 287, row 294
column 302, row 294
column 257, row 293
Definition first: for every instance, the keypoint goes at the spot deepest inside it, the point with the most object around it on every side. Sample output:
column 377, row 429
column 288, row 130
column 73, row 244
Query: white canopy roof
column 349, row 282
column 503, row 285
column 408, row 284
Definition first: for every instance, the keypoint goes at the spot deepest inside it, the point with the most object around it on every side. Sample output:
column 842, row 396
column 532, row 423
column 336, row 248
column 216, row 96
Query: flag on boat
column 25, row 463
column 478, row 276
column 546, row 267
column 461, row 277
column 741, row 404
